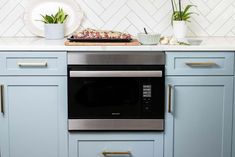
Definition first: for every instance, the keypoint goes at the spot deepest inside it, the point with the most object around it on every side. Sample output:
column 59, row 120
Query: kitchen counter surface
column 40, row 44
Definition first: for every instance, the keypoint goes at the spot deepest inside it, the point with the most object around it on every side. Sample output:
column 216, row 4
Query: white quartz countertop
column 40, row 44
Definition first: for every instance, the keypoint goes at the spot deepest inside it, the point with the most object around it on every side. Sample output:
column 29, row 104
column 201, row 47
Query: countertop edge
column 41, row 44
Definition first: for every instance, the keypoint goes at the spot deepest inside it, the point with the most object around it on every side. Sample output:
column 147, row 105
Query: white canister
column 179, row 29
column 54, row 31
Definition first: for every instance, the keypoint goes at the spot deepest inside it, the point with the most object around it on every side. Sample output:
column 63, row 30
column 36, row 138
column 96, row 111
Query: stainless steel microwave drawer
column 199, row 63
column 33, row 63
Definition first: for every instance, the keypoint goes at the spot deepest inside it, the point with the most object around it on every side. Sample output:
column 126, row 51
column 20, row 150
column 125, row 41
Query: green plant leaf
column 65, row 18
column 184, row 15
column 187, row 8
column 49, row 19
column 44, row 19
column 59, row 17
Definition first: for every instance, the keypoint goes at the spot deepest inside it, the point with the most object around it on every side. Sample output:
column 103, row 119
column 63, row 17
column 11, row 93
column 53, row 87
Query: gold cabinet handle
column 32, row 64
column 201, row 64
column 116, row 153
column 2, row 110
column 169, row 97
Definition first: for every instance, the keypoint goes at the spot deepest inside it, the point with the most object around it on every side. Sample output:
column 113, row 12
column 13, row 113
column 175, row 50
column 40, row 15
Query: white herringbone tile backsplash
column 216, row 17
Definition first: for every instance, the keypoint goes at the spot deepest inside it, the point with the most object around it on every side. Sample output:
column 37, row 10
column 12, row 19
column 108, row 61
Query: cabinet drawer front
column 116, row 148
column 107, row 144
column 199, row 63
column 35, row 63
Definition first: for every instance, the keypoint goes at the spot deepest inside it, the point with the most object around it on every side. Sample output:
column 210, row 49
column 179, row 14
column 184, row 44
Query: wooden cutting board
column 131, row 43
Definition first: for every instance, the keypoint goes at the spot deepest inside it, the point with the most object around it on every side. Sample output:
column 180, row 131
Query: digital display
column 147, row 91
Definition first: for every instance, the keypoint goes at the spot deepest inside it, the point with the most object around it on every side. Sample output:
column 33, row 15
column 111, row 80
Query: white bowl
column 148, row 39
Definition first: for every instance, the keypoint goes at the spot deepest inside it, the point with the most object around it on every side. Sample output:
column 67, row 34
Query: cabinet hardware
column 2, row 110
column 115, row 73
column 201, row 64
column 116, row 153
column 169, row 98
column 31, row 64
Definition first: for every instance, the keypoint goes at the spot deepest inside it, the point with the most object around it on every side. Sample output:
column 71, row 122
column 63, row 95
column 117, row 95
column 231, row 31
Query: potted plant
column 179, row 18
column 54, row 24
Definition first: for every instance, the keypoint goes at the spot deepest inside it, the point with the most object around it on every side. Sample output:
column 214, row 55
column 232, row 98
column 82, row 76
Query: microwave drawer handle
column 115, row 73
column 116, row 153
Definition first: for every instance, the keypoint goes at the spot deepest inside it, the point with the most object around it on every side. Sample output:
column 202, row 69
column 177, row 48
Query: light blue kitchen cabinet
column 33, row 117
column 199, row 116
column 199, row 63
column 33, row 63
column 233, row 143
column 34, row 122
column 119, row 144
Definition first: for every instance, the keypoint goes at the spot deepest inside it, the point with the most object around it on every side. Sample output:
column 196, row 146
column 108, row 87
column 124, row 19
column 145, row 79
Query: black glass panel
column 101, row 91
column 115, row 98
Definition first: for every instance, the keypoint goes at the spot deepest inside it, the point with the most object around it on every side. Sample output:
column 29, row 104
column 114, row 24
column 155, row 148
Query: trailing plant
column 180, row 14
column 58, row 18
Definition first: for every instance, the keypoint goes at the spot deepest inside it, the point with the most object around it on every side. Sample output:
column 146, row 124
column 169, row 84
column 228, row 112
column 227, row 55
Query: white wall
column 216, row 17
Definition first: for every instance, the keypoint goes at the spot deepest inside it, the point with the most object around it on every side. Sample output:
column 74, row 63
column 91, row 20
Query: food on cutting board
column 101, row 34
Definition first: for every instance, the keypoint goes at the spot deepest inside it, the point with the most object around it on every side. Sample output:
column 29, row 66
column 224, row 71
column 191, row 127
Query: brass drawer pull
column 32, row 64
column 2, row 110
column 169, row 98
column 116, row 153
column 201, row 64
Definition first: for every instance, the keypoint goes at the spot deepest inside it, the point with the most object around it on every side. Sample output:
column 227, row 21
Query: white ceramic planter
column 179, row 29
column 54, row 31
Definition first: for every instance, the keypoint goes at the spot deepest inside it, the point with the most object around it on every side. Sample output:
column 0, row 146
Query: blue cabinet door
column 233, row 142
column 200, row 122
column 34, row 123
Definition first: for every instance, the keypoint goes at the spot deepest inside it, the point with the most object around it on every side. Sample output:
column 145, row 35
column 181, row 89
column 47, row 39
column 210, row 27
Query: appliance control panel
column 147, row 98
